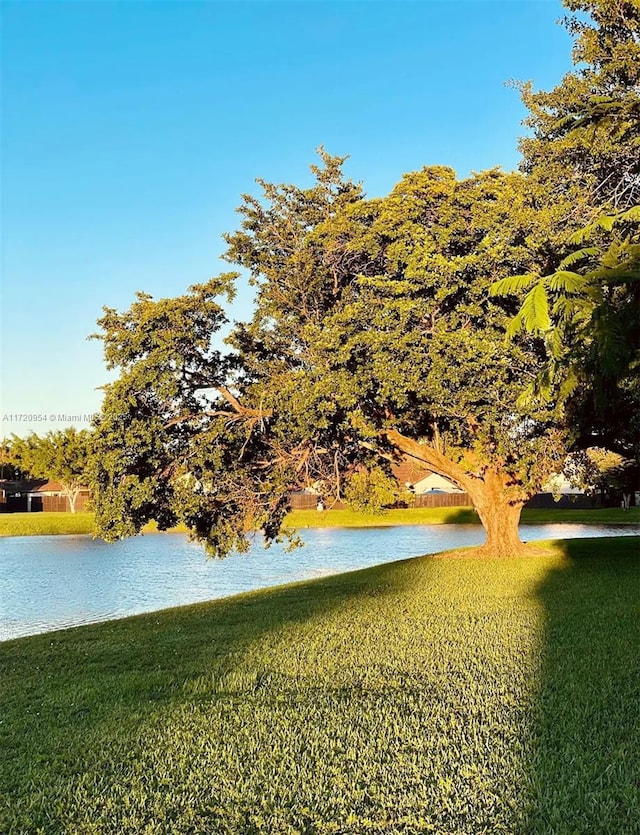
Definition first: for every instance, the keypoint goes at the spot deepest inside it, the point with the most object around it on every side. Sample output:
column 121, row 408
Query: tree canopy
column 374, row 336
column 584, row 159
column 584, row 140
column 378, row 333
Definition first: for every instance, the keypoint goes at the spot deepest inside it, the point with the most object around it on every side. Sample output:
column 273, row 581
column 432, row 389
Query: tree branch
column 427, row 454
column 185, row 418
column 245, row 411
column 239, row 411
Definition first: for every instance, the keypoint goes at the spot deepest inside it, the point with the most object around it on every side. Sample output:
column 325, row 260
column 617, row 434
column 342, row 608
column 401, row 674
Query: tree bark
column 72, row 496
column 500, row 517
column 498, row 501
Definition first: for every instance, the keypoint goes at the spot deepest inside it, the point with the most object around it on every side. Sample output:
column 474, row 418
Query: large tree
column 374, row 336
column 584, row 141
column 583, row 159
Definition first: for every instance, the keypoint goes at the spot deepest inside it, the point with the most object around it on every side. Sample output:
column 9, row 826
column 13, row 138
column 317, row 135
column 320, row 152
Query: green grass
column 597, row 516
column 47, row 524
column 425, row 696
column 152, row 527
column 50, row 524
column 453, row 515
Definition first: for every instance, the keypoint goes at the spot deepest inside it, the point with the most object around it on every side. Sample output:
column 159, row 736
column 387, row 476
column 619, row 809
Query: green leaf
column 580, row 255
column 567, row 282
column 583, row 234
column 631, row 214
column 569, row 384
column 568, row 309
column 513, row 284
column 533, row 316
column 606, row 222
column 555, row 344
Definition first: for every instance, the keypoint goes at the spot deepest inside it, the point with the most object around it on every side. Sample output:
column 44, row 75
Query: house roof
column 409, row 470
column 434, row 481
column 23, row 486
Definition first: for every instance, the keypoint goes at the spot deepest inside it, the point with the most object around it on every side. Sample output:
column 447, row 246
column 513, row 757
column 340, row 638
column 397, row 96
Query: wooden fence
column 440, row 500
column 48, row 504
column 307, row 501
column 579, row 501
column 60, row 504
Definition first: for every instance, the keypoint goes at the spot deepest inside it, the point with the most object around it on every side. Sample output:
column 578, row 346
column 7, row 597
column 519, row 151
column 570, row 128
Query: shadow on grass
column 63, row 693
column 395, row 516
column 463, row 516
column 586, row 759
column 80, row 706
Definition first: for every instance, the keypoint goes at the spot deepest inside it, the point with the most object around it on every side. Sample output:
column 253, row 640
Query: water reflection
column 52, row 582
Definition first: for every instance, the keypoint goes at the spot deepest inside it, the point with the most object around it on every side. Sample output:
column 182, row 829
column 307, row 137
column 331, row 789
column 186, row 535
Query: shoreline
column 81, row 524
column 533, row 550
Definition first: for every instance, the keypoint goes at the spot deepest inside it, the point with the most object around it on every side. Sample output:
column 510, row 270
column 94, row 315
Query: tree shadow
column 585, row 758
column 463, row 515
column 78, row 684
column 578, row 772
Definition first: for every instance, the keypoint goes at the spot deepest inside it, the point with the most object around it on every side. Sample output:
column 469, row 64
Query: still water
column 53, row 582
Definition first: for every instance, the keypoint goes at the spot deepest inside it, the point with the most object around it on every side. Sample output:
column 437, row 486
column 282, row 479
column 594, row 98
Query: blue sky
column 130, row 130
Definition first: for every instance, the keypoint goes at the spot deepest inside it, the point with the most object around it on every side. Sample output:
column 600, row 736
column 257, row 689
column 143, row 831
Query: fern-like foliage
column 631, row 215
column 564, row 281
column 513, row 284
column 578, row 256
column 533, row 316
column 591, row 310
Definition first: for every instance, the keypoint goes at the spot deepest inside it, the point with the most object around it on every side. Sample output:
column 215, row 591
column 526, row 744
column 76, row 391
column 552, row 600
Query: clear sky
column 130, row 130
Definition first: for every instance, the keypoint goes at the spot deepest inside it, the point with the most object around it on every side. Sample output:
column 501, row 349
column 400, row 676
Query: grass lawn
column 46, row 524
column 49, row 524
column 454, row 515
column 425, row 696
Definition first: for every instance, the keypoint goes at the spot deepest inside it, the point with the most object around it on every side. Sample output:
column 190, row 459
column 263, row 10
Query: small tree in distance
column 371, row 490
column 61, row 456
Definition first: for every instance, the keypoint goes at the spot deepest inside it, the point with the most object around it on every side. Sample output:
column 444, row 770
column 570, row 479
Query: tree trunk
column 501, row 524
column 499, row 514
column 496, row 497
column 72, row 495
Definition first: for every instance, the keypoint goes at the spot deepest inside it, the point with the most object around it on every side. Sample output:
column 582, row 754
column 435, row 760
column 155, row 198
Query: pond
column 53, row 582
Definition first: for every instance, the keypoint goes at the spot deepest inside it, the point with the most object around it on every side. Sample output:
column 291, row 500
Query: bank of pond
column 51, row 524
column 421, row 695
column 54, row 582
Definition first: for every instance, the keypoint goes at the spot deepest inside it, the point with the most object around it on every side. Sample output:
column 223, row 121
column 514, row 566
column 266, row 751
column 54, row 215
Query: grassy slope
column 429, row 695
column 41, row 524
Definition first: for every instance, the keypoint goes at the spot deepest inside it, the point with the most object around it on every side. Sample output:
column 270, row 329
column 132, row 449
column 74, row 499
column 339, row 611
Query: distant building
column 434, row 483
column 420, row 480
column 37, row 495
